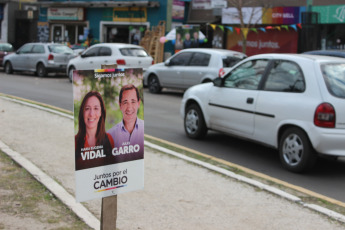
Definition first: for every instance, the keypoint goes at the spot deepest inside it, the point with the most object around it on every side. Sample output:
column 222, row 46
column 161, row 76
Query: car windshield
column 334, row 75
column 135, row 52
column 60, row 49
column 6, row 47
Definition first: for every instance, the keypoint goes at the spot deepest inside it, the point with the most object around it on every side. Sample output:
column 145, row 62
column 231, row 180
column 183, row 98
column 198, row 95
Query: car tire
column 154, row 85
column 41, row 70
column 8, row 68
column 70, row 73
column 295, row 151
column 194, row 122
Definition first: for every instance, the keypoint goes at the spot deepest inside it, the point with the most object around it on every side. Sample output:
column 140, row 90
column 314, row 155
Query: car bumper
column 56, row 68
column 329, row 141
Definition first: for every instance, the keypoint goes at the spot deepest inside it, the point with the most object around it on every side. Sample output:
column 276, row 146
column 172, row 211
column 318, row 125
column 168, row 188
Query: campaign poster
column 187, row 36
column 109, row 132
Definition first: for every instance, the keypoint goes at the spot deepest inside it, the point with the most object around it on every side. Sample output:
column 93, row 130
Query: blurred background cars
column 124, row 55
column 189, row 67
column 5, row 49
column 293, row 103
column 41, row 58
column 334, row 53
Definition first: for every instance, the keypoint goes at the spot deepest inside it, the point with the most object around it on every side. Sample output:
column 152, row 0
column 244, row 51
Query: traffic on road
column 162, row 119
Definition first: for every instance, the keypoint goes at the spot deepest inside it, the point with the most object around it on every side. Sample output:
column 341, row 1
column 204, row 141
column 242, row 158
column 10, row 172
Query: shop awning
column 99, row 4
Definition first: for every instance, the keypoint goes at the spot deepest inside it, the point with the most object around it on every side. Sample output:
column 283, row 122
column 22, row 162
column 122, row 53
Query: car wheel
column 194, row 123
column 295, row 151
column 153, row 84
column 8, row 68
column 41, row 70
column 70, row 73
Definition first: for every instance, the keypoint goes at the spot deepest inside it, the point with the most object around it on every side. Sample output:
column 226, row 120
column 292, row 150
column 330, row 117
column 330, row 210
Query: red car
column 5, row 48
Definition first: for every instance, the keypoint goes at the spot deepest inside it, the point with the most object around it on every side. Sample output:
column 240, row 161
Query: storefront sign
column 66, row 14
column 178, row 10
column 281, row 15
column 271, row 41
column 252, row 15
column 201, row 4
column 131, row 14
column 330, row 14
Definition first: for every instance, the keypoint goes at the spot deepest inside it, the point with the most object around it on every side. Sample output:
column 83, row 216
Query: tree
column 249, row 14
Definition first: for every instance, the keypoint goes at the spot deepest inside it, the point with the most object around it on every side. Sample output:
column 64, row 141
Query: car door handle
column 250, row 100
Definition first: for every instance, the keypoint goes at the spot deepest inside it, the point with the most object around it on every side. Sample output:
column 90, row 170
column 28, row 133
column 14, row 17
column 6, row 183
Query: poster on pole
column 109, row 132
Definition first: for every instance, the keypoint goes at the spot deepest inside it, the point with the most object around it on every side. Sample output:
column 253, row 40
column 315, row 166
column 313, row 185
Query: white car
column 190, row 67
column 292, row 102
column 124, row 55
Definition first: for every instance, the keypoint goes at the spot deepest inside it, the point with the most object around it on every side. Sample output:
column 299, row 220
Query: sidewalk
column 177, row 194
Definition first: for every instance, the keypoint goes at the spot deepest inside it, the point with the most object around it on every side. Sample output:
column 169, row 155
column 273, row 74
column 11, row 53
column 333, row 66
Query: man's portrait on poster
column 128, row 134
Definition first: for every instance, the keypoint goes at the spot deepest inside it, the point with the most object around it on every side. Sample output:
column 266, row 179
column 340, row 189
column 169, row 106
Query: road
column 162, row 120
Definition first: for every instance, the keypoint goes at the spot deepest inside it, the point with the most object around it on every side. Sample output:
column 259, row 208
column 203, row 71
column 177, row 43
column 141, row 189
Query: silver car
column 41, row 58
column 190, row 67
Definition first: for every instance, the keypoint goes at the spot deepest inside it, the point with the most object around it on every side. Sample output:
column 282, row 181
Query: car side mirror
column 218, row 82
column 167, row 62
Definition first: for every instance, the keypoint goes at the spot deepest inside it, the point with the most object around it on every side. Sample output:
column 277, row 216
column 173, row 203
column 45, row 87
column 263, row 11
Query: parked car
column 41, row 58
column 334, row 53
column 293, row 103
column 190, row 67
column 5, row 49
column 124, row 55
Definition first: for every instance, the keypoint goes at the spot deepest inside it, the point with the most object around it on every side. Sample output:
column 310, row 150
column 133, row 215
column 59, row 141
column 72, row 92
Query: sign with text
column 109, row 132
column 271, row 41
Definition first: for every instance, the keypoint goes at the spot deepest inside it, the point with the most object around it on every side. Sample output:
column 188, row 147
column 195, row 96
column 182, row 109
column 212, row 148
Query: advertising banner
column 330, row 14
column 271, row 41
column 281, row 15
column 109, row 132
column 251, row 15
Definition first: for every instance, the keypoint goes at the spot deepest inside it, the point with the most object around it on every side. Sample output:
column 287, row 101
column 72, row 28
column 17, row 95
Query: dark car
column 334, row 53
column 5, row 49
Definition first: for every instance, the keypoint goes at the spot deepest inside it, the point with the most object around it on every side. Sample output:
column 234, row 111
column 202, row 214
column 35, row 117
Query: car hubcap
column 153, row 84
column 192, row 121
column 293, row 149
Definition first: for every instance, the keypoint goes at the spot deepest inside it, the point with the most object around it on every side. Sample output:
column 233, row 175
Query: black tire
column 295, row 151
column 154, row 85
column 194, row 122
column 41, row 70
column 70, row 73
column 8, row 68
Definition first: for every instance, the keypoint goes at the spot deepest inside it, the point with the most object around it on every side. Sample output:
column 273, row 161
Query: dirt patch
column 26, row 204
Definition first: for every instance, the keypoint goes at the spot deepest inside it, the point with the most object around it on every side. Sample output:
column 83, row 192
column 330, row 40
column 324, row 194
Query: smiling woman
column 92, row 144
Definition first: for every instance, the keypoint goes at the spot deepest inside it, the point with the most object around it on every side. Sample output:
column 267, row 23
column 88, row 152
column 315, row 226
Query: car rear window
column 60, row 49
column 334, row 75
column 230, row 61
column 6, row 47
column 134, row 52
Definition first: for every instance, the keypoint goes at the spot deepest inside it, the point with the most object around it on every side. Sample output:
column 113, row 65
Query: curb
column 93, row 222
column 53, row 187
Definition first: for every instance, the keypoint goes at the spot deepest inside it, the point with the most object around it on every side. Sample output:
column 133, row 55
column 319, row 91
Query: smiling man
column 128, row 135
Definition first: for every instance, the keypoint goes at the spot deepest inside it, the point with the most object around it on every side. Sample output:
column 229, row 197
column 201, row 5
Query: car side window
column 285, row 76
column 104, row 51
column 38, row 49
column 200, row 59
column 181, row 59
column 246, row 76
column 25, row 49
column 91, row 52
